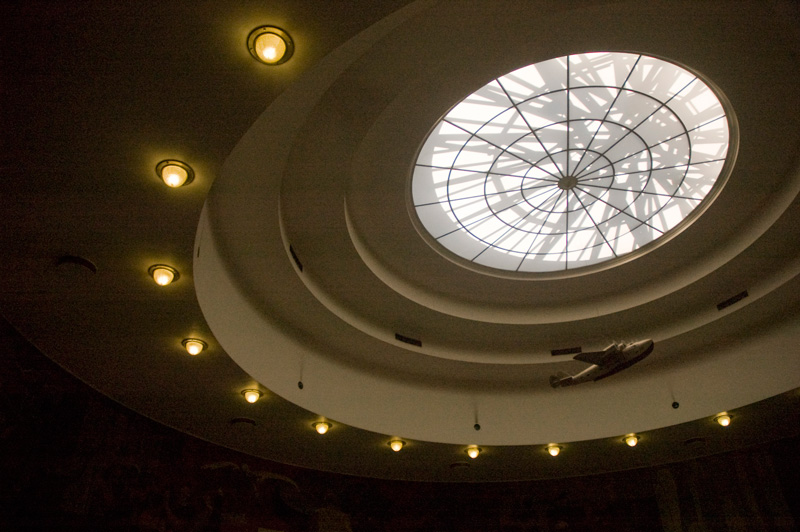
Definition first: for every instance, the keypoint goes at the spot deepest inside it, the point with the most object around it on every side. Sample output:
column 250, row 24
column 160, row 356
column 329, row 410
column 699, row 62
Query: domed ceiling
column 308, row 269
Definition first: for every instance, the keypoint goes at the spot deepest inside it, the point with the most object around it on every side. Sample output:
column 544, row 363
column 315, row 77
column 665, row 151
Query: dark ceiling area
column 300, row 260
column 73, row 459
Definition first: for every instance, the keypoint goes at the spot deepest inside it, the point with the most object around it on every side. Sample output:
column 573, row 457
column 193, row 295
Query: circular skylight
column 571, row 162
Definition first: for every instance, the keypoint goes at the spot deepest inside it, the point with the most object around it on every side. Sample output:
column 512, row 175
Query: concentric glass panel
column 570, row 162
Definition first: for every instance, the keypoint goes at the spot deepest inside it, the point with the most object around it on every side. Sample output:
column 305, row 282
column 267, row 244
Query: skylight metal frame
column 577, row 174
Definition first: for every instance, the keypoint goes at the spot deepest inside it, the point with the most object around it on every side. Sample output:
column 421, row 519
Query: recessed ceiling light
column 397, row 445
column 553, row 449
column 321, row 426
column 631, row 440
column 194, row 346
column 163, row 274
column 723, row 419
column 270, row 45
column 473, row 451
column 175, row 173
column 251, row 396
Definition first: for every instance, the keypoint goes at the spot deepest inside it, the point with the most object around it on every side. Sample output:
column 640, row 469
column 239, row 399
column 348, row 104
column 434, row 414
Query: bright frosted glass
column 570, row 162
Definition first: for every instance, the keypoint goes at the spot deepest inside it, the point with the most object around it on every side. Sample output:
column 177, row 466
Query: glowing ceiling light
column 723, row 419
column 270, row 45
column 175, row 173
column 631, row 440
column 321, row 427
column 194, row 346
column 553, row 449
column 473, row 451
column 251, row 396
column 397, row 445
column 163, row 274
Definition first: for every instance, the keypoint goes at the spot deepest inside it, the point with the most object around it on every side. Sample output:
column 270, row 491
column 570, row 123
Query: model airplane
column 611, row 360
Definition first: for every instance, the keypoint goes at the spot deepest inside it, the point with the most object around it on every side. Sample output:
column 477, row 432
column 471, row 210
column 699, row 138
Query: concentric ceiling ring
column 572, row 162
column 301, row 244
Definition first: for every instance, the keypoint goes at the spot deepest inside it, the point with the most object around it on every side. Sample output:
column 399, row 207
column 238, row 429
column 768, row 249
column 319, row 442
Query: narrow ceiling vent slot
column 730, row 301
column 243, row 421
column 694, row 441
column 77, row 261
column 296, row 260
column 407, row 340
column 567, row 351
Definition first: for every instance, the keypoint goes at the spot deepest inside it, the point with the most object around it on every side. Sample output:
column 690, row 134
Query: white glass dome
column 571, row 162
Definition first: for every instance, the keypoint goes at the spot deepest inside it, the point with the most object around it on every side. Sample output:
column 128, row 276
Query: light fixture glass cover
column 321, row 426
column 175, row 173
column 270, row 45
column 473, row 451
column 631, row 440
column 251, row 396
column 194, row 346
column 397, row 445
column 723, row 419
column 572, row 162
column 553, row 449
column 163, row 274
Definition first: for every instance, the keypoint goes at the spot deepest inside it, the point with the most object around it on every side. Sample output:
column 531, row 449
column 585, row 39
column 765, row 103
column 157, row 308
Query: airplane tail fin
column 559, row 379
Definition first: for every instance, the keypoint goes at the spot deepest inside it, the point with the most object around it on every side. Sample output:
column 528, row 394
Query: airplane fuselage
column 615, row 359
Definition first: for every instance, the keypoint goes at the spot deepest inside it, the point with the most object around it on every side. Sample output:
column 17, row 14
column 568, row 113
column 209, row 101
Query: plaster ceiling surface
column 309, row 163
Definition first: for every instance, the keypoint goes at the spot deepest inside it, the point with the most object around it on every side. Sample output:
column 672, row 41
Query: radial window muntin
column 513, row 179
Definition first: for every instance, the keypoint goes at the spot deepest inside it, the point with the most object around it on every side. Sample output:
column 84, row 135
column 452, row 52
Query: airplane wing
column 591, row 357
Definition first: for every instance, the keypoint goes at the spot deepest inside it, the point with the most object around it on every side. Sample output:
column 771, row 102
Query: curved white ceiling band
column 274, row 351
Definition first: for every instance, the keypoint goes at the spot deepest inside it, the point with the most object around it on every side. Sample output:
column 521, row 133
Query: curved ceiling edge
column 613, row 303
column 289, row 109
column 763, row 367
column 378, row 404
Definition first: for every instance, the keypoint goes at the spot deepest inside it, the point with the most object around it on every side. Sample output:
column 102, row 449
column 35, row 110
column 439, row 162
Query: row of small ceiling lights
column 269, row 45
column 272, row 46
column 163, row 275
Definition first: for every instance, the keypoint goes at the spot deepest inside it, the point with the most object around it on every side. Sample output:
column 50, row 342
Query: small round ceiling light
column 321, row 427
column 397, row 445
column 251, row 396
column 270, row 45
column 194, row 346
column 175, row 173
column 553, row 449
column 163, row 274
column 723, row 419
column 631, row 440
column 473, row 451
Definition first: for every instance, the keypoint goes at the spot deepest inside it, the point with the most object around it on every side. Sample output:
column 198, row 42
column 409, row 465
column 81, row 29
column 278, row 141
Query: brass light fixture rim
column 193, row 339
column 174, row 162
column 471, row 447
column 261, row 30
column 175, row 274
column 252, row 390
column 723, row 415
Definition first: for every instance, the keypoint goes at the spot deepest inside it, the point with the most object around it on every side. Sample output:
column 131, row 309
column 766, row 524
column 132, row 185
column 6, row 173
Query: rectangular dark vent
column 567, row 351
column 407, row 340
column 296, row 260
column 730, row 301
